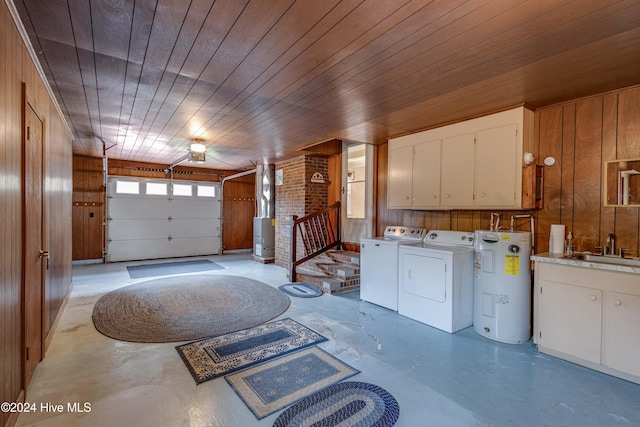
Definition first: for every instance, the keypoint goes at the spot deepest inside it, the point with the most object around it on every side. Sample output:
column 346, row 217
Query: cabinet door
column 426, row 175
column 621, row 349
column 570, row 319
column 400, row 177
column 457, row 171
column 496, row 167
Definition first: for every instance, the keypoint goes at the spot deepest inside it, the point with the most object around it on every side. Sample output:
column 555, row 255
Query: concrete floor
column 439, row 379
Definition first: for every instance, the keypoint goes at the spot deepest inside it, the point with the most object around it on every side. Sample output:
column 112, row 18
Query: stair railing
column 319, row 232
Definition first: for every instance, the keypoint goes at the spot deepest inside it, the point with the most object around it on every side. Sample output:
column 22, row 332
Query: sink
column 608, row 259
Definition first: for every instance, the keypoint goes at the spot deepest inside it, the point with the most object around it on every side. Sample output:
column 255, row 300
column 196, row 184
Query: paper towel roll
column 556, row 238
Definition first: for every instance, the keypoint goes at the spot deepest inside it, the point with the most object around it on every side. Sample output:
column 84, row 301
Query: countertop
column 561, row 259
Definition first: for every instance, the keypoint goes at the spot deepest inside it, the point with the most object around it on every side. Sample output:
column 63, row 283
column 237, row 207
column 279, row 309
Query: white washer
column 379, row 264
column 436, row 280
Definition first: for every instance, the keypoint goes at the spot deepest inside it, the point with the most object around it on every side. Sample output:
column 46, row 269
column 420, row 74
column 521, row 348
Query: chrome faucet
column 611, row 249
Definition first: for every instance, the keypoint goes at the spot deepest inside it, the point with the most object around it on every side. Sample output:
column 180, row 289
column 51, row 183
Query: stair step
column 326, row 283
column 332, row 271
column 347, row 257
column 333, row 286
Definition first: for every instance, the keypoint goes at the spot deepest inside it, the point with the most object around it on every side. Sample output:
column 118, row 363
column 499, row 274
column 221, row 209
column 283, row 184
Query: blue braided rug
column 350, row 403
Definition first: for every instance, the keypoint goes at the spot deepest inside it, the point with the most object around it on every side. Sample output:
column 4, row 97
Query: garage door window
column 156, row 189
column 206, row 191
column 127, row 187
column 182, row 190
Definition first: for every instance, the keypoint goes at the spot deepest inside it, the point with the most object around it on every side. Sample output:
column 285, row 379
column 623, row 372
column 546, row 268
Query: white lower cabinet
column 589, row 317
column 621, row 347
column 570, row 319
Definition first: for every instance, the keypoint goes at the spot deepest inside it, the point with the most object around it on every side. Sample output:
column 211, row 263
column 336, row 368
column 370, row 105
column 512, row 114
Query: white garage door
column 150, row 219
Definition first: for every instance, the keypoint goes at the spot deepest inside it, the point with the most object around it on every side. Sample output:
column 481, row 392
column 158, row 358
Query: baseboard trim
column 13, row 416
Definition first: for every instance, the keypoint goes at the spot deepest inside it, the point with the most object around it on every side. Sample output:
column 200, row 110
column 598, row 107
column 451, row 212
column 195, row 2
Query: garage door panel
column 193, row 228
column 133, row 207
column 131, row 250
column 131, row 229
column 202, row 208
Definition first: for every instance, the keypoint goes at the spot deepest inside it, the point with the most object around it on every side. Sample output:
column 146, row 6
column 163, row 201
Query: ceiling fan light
column 197, row 148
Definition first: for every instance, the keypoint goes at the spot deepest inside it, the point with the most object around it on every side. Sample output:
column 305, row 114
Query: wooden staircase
column 333, row 271
column 320, row 262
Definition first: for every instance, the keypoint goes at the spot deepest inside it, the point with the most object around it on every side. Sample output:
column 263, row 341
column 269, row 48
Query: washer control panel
column 400, row 232
column 449, row 237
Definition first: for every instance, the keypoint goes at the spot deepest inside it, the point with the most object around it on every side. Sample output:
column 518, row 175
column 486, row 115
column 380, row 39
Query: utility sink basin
column 608, row 259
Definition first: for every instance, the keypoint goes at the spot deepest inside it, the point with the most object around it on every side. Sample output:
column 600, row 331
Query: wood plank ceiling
column 259, row 79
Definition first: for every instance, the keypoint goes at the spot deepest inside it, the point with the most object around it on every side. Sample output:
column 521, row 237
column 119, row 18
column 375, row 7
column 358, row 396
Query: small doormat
column 301, row 290
column 270, row 386
column 176, row 267
column 217, row 356
column 347, row 404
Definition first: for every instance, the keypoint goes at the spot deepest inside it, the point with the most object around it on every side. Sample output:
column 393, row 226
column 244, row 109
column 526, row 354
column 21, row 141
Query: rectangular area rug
column 217, row 356
column 176, row 267
column 270, row 386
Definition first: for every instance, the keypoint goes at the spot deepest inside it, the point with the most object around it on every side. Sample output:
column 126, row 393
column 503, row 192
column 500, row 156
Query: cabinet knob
column 446, row 196
column 483, row 195
column 407, row 197
column 434, row 197
column 593, row 298
column 617, row 303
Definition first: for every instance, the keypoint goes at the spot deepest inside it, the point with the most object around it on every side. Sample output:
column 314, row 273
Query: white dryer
column 436, row 280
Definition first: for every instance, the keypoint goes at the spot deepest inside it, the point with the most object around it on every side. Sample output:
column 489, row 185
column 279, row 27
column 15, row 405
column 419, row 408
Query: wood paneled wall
column 580, row 135
column 17, row 67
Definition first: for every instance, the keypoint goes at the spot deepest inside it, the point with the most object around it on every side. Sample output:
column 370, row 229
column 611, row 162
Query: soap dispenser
column 570, row 246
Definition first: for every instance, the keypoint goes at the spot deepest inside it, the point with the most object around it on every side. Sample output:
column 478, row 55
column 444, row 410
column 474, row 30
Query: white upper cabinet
column 497, row 167
column 426, row 175
column 475, row 164
column 457, row 170
column 400, row 177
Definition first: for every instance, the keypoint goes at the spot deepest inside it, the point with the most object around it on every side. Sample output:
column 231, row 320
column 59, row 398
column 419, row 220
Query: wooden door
column 35, row 255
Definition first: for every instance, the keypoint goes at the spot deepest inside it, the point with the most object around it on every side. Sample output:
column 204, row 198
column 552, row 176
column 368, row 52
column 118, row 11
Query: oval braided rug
column 185, row 308
column 347, row 404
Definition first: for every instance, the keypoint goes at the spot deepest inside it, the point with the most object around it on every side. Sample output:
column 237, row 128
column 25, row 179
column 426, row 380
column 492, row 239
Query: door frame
column 29, row 103
column 370, row 191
